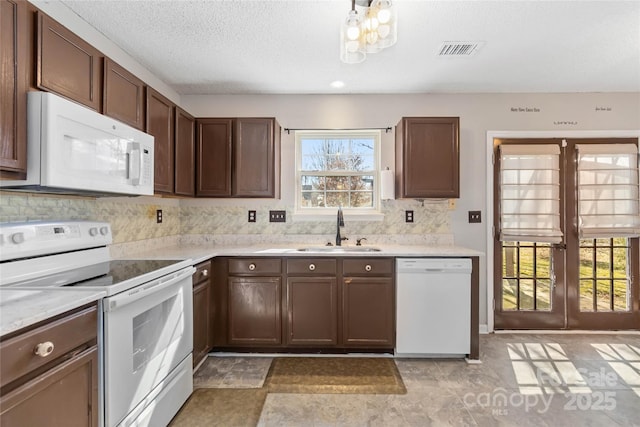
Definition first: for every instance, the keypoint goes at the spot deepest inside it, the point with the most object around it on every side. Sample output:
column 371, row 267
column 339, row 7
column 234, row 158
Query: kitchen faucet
column 340, row 223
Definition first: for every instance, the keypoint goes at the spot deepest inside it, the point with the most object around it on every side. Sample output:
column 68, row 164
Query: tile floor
column 524, row 380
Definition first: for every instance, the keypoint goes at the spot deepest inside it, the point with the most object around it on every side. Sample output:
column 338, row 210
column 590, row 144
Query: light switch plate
column 277, row 216
column 159, row 216
column 475, row 216
column 408, row 216
column 251, row 217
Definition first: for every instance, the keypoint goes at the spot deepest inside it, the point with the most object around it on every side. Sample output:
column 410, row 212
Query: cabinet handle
column 44, row 349
column 205, row 272
column 367, row 267
column 346, row 282
column 312, row 267
column 252, row 266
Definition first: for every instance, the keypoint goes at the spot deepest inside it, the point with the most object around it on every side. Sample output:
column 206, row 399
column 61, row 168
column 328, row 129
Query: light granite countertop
column 199, row 253
column 19, row 309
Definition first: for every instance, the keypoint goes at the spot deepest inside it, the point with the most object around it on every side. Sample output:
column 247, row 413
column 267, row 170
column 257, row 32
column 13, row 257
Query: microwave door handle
column 134, row 162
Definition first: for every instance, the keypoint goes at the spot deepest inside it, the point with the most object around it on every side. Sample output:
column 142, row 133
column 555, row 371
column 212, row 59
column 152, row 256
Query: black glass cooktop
column 99, row 275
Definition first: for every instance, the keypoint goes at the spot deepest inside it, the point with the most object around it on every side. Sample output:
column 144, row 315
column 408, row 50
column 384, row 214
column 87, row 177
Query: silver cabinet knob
column 252, row 266
column 44, row 349
column 205, row 272
column 17, row 238
column 312, row 267
column 368, row 267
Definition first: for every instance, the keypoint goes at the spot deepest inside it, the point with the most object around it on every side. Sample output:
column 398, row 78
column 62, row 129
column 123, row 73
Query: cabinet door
column 254, row 158
column 201, row 316
column 68, row 65
column 185, row 153
column 123, row 97
column 312, row 311
column 368, row 312
column 427, row 157
column 254, row 311
column 66, row 395
column 160, row 124
column 213, row 174
column 14, row 81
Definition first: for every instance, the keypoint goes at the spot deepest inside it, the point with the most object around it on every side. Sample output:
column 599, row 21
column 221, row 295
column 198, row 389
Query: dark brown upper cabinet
column 14, row 83
column 67, row 65
column 238, row 157
column 123, row 97
column 256, row 158
column 213, row 174
column 160, row 124
column 428, row 157
column 185, row 154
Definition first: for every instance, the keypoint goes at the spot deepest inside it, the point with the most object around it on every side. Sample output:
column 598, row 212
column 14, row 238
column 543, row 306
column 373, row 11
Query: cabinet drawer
column 17, row 354
column 203, row 272
column 316, row 266
column 255, row 266
column 367, row 266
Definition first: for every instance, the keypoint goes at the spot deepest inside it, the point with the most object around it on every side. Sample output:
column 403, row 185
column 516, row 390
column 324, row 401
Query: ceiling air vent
column 459, row 49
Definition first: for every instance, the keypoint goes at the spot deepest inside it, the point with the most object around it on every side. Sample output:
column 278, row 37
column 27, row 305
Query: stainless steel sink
column 338, row 249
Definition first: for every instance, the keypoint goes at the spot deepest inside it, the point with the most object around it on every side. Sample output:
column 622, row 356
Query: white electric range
column 146, row 322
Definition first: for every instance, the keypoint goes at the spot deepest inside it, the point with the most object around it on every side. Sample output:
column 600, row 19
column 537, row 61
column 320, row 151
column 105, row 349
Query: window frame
column 372, row 212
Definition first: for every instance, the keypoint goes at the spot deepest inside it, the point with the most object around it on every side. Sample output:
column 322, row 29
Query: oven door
column 148, row 331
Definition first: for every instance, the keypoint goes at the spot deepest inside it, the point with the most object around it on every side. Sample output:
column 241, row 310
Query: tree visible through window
column 337, row 168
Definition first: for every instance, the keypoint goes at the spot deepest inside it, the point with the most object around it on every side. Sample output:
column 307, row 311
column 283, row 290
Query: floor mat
column 334, row 375
column 221, row 407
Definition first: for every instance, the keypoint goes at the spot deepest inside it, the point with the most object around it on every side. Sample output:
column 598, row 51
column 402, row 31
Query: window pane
column 526, row 295
column 335, row 199
column 509, row 294
column 509, row 265
column 312, row 199
column 310, row 182
column 361, row 199
column 340, row 183
column 603, row 262
column 603, row 295
column 526, row 262
column 586, row 295
column 543, row 295
column 362, row 183
column 621, row 295
column 543, row 261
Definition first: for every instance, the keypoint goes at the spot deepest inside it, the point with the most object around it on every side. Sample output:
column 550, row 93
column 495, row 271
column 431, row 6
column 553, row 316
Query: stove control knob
column 93, row 231
column 17, row 238
column 104, row 230
column 44, row 349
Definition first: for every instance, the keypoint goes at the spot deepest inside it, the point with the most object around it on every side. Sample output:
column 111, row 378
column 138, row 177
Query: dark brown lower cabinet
column 202, row 328
column 49, row 372
column 312, row 311
column 254, row 316
column 368, row 312
column 66, row 395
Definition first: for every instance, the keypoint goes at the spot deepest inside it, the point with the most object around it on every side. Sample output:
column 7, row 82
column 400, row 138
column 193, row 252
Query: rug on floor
column 350, row 375
column 221, row 407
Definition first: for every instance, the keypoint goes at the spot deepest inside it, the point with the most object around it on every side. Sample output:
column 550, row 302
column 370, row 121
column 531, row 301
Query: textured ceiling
column 292, row 47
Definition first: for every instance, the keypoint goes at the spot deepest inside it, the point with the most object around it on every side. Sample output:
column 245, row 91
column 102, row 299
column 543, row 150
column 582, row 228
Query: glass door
column 578, row 282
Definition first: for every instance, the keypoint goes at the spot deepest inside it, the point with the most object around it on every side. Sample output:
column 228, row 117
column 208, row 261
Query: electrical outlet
column 252, row 216
column 159, row 216
column 277, row 216
column 475, row 216
column 452, row 204
column 408, row 216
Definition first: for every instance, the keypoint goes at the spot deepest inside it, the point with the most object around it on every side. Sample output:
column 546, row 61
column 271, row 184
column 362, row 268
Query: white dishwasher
column 433, row 307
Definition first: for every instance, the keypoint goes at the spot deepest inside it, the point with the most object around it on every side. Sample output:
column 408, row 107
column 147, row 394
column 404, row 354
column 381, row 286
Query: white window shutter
column 530, row 193
column 608, row 192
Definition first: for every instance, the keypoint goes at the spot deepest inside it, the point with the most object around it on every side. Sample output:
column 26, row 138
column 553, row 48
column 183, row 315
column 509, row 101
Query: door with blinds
column 566, row 234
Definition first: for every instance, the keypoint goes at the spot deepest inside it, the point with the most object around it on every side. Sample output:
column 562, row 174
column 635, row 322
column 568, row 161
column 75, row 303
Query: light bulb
column 384, row 15
column 353, row 32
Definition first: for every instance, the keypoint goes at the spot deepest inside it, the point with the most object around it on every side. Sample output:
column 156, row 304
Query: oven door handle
column 118, row 301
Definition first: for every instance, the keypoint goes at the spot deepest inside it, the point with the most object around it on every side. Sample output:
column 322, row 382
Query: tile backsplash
column 134, row 219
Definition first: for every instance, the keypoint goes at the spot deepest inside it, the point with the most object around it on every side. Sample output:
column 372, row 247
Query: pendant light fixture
column 369, row 31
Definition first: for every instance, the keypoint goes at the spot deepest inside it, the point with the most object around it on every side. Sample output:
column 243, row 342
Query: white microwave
column 74, row 150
